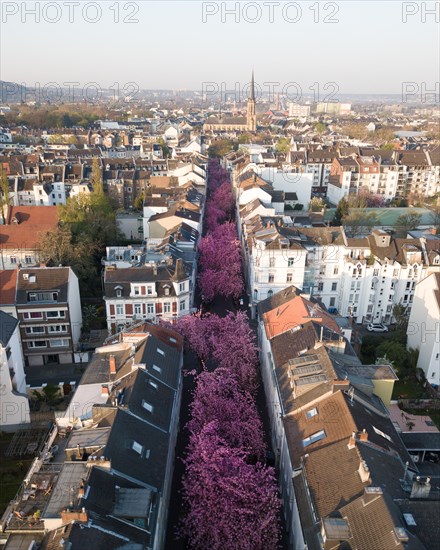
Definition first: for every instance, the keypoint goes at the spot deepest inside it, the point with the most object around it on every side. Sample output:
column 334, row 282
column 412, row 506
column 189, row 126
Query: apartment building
column 150, row 292
column 48, row 306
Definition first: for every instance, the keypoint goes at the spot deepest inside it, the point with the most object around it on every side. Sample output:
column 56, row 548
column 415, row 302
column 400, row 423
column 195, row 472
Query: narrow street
column 221, row 307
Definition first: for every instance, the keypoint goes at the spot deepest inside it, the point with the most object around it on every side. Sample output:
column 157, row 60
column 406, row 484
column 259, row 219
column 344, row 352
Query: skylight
column 160, row 351
column 147, row 406
column 313, row 412
column 157, row 369
column 384, row 435
column 313, row 438
column 137, row 447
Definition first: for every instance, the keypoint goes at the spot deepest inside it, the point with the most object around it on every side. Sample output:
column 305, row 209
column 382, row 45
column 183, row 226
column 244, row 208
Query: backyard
column 12, row 472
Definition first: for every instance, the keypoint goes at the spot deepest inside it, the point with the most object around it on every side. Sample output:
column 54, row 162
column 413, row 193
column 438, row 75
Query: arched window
column 269, row 293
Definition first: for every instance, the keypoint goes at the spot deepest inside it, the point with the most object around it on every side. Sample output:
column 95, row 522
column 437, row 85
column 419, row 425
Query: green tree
column 164, row 147
column 342, row 211
column 396, row 353
column 220, row 147
column 400, row 316
column 407, row 222
column 320, row 127
column 316, row 204
column 4, row 193
column 359, row 222
column 283, row 145
column 138, row 202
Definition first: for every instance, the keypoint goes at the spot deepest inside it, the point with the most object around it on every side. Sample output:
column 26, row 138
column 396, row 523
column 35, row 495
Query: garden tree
column 58, row 247
column 230, row 503
column 395, row 352
column 357, row 201
column 320, row 127
column 407, row 222
column 400, row 316
column 244, row 138
column 218, row 398
column 50, row 394
column 213, row 217
column 226, row 283
column 96, row 178
column 435, row 218
column 359, row 222
column 89, row 314
column 164, row 147
column 4, row 193
column 283, row 145
column 316, row 204
column 138, row 202
column 220, row 147
column 341, row 211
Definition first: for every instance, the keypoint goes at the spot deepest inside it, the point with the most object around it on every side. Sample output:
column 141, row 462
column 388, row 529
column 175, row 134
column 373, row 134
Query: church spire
column 252, row 94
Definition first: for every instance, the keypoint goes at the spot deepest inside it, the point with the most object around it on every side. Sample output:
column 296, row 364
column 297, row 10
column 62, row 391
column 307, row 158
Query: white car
column 377, row 327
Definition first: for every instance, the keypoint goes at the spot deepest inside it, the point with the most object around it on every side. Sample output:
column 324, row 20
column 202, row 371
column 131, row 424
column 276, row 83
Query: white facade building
column 14, row 403
column 424, row 327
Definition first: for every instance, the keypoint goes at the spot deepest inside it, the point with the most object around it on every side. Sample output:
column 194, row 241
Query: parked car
column 377, row 327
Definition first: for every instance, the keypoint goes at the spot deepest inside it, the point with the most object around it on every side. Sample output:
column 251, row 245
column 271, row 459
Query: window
column 395, row 272
column 42, row 296
column 33, row 315
column 332, row 302
column 13, row 259
column 271, row 262
column 313, row 438
column 34, row 330
column 138, row 309
column 370, row 308
column 353, row 285
column 182, row 305
column 167, row 307
column 57, row 328
column 28, row 260
column 322, row 270
column 119, row 309
column 157, row 369
column 59, row 343
column 166, row 291
column 289, row 278
column 55, row 314
column 320, row 287
column 147, row 406
column 271, row 278
column 408, row 285
column 335, row 270
column 136, row 291
column 37, row 344
column 150, row 308
column 290, row 262
column 160, row 351
column 350, row 298
column 118, row 293
column 334, row 286
column 313, row 412
column 149, row 290
column 181, row 287
column 375, row 273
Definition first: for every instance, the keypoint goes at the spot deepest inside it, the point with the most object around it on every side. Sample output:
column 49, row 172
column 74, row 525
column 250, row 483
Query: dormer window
column 137, row 447
column 166, row 291
column 147, row 406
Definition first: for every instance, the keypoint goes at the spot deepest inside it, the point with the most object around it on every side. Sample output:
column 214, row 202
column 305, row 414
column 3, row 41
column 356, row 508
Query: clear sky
column 362, row 46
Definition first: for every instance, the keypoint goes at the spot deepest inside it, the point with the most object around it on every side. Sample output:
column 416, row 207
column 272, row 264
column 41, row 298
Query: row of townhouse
column 103, row 479
column 335, row 173
column 362, row 278
column 35, row 180
column 346, row 478
column 157, row 280
column 46, row 302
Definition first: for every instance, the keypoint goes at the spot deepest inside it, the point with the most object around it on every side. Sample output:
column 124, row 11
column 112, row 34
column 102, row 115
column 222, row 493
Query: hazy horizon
column 363, row 47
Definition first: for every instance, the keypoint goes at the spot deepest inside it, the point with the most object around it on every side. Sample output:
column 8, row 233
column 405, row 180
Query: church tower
column 251, row 116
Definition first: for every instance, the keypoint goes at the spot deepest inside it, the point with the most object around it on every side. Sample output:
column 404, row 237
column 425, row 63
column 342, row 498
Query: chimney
column 364, row 471
column 104, row 390
column 112, row 364
column 352, row 441
column 341, row 385
column 363, row 436
column 420, row 488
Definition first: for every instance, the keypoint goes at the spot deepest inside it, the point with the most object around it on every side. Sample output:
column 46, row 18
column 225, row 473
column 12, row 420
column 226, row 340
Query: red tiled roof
column 8, row 281
column 34, row 221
